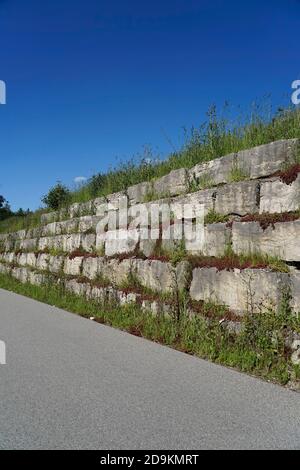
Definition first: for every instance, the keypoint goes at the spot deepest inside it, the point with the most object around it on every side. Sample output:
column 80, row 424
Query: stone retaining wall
column 67, row 243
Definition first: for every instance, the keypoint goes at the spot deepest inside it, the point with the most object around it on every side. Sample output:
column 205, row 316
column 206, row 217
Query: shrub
column 56, row 197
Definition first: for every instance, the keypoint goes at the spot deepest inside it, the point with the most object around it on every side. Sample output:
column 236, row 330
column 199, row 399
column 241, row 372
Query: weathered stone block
column 35, row 232
column 265, row 160
column 91, row 267
column 295, row 292
column 29, row 244
column 147, row 247
column 137, row 193
column 249, row 290
column 78, row 288
column 88, row 242
column 213, row 172
column 205, row 198
column 69, row 243
column 42, row 262
column 22, row 259
column 49, row 229
column 237, row 198
column 67, row 226
column 172, row 184
column 276, row 196
column 56, row 264
column 98, row 204
column 120, row 241
column 156, row 275
column 88, row 223
column 37, row 279
column 21, row 274
column 116, row 200
column 81, row 209
column 73, row 267
column 215, row 240
column 43, row 243
column 280, row 240
column 5, row 269
column 31, row 260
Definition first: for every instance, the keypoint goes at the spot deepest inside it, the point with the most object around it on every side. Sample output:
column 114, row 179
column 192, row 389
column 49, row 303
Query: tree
column 56, row 197
column 5, row 211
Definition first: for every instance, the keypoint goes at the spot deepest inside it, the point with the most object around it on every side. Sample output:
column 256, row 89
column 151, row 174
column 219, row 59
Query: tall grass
column 219, row 135
column 15, row 223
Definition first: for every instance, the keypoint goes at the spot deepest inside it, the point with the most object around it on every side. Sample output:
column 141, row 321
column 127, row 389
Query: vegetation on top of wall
column 56, row 197
column 219, row 135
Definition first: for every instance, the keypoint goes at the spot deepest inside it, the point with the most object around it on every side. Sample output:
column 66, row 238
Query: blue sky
column 89, row 81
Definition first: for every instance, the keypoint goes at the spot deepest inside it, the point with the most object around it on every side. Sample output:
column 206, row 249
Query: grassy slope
column 216, row 137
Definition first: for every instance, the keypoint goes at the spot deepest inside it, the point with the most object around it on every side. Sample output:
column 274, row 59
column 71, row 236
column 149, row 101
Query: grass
column 219, row 135
column 16, row 223
column 203, row 182
column 260, row 348
column 236, row 174
column 231, row 260
column 213, row 217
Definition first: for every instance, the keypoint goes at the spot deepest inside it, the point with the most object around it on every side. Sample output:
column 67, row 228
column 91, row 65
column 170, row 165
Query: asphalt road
column 70, row 383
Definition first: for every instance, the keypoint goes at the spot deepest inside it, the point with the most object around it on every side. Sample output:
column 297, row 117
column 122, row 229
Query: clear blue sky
column 92, row 80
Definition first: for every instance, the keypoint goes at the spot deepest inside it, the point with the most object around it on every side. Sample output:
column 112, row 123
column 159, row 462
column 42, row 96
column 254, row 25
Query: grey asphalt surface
column 70, row 383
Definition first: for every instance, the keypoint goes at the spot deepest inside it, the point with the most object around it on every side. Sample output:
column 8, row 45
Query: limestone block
column 20, row 235
column 5, row 269
column 156, row 275
column 276, row 196
column 115, row 201
column 43, row 243
column 73, row 267
column 22, row 259
column 37, row 279
column 91, row 267
column 78, row 288
column 80, row 209
column 182, row 205
column 10, row 257
column 237, row 198
column 127, row 298
column 120, row 241
column 215, row 240
column 56, row 264
column 88, row 223
column 69, row 243
column 241, row 291
column 35, row 232
column 137, row 193
column 88, row 242
column 99, row 203
column 21, row 274
column 29, row 244
column 147, row 247
column 280, row 240
column 67, row 226
column 42, row 262
column 213, row 172
column 172, row 184
column 49, row 229
column 295, row 292
column 31, row 260
column 265, row 160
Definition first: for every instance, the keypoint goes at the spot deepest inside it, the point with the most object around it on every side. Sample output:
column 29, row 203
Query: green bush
column 56, row 197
